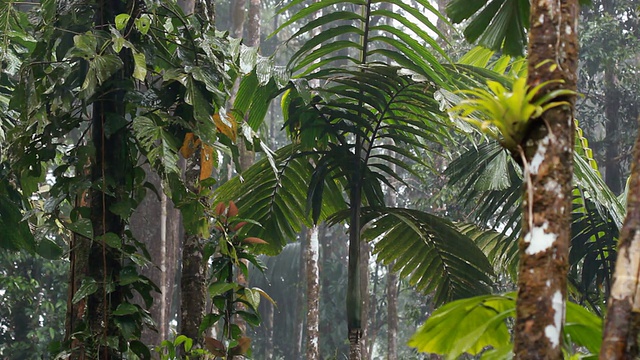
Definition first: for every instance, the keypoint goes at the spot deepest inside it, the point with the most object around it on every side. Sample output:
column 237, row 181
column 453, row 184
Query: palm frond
column 361, row 33
column 277, row 199
column 429, row 251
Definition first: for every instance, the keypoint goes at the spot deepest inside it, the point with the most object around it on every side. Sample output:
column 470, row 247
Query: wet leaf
column 226, row 125
column 207, row 161
column 189, row 145
column 214, row 346
column 88, row 287
column 82, row 227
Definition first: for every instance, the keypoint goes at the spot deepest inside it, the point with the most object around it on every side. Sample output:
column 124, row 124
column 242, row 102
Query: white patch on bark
column 538, row 158
column 538, row 239
column 568, row 30
column 554, row 187
column 553, row 331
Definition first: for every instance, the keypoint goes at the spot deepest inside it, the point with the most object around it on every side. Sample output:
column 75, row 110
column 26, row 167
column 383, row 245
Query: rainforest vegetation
column 319, row 179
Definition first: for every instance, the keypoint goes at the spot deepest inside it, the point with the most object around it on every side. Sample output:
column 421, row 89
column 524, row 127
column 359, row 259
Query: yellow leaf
column 206, row 161
column 227, row 126
column 242, row 347
column 189, row 145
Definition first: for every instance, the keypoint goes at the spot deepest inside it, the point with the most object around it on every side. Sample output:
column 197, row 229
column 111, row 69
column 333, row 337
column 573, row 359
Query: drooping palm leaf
column 430, row 251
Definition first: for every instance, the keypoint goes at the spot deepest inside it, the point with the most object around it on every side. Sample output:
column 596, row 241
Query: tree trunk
column 94, row 259
column 354, row 294
column 194, row 268
column 162, row 241
column 237, row 18
column 613, row 171
column 313, row 293
column 193, row 282
column 553, row 54
column 364, row 290
column 623, row 319
column 392, row 314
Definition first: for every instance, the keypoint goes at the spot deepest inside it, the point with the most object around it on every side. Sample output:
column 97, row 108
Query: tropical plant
column 480, row 325
column 352, row 121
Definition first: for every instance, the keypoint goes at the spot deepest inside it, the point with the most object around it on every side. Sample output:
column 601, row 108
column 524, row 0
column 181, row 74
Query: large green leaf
column 471, row 325
column 14, row 232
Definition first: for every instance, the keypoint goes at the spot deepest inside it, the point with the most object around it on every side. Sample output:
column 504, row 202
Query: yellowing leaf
column 206, row 161
column 242, row 347
column 189, row 145
column 227, row 126
column 253, row 240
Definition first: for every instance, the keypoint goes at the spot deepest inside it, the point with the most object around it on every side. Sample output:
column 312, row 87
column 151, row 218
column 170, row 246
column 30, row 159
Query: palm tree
column 362, row 116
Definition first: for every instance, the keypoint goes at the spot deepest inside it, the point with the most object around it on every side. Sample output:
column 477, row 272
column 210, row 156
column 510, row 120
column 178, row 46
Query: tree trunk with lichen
column 312, row 252
column 620, row 340
column 194, row 268
column 548, row 147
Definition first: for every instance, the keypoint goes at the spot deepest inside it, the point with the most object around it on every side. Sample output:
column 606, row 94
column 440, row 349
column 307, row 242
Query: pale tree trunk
column 392, row 293
column 623, row 317
column 312, row 252
column 187, row 6
column 247, row 157
column 553, row 44
column 161, row 239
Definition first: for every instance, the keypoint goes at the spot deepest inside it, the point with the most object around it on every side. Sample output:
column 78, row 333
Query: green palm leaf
column 277, row 199
column 430, row 251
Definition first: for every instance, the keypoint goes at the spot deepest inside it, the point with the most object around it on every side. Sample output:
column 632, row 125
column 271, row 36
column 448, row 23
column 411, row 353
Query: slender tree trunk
column 623, row 319
column 613, row 171
column 392, row 293
column 354, row 294
column 392, row 314
column 237, row 18
column 553, row 54
column 194, row 268
column 161, row 240
column 364, row 290
column 312, row 252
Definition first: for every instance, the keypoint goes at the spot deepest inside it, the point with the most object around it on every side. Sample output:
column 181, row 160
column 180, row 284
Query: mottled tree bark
column 548, row 147
column 312, row 252
column 194, row 267
column 620, row 339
